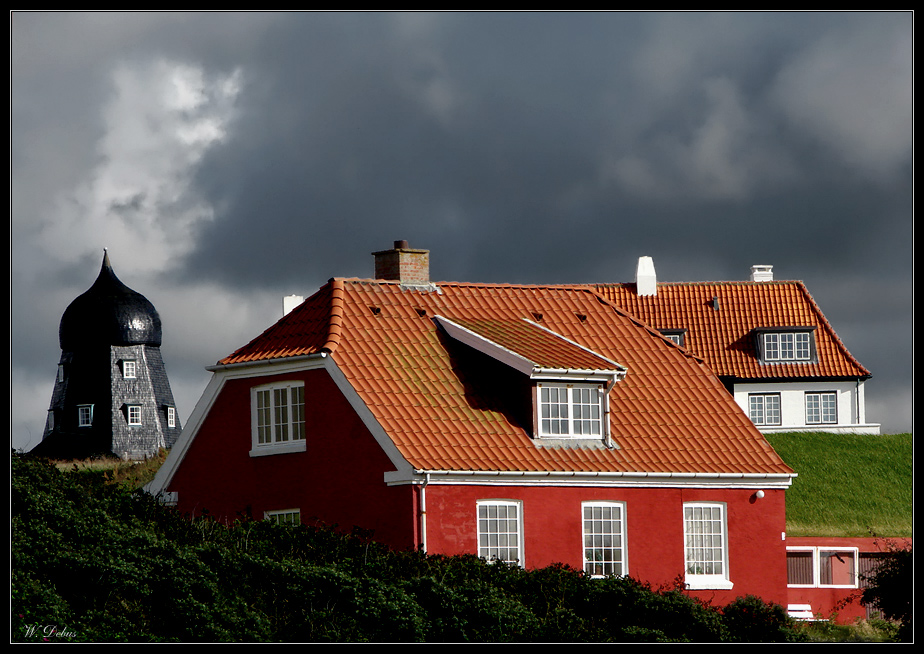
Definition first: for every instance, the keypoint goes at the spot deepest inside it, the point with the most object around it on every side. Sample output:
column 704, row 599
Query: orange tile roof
column 723, row 336
column 541, row 347
column 669, row 415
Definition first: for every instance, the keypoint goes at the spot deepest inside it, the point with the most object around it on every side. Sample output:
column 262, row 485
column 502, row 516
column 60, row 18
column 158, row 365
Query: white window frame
column 821, row 408
column 787, row 346
column 171, row 417
column 500, row 530
column 565, row 406
column 277, row 428
column 84, row 415
column 605, row 551
column 675, row 336
column 133, row 413
column 703, row 569
column 817, row 554
column 284, row 516
column 129, row 369
column 758, row 409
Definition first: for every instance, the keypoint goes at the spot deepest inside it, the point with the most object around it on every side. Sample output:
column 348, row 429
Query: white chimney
column 761, row 273
column 646, row 282
column 289, row 302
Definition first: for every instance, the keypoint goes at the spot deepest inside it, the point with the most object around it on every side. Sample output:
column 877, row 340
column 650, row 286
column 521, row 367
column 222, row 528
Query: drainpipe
column 857, row 399
column 606, row 410
column 422, row 502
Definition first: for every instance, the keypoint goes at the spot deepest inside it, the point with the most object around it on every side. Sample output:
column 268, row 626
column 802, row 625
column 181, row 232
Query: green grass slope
column 848, row 484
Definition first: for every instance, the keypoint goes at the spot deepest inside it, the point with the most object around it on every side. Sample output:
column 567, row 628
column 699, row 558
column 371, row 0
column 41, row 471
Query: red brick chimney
column 403, row 264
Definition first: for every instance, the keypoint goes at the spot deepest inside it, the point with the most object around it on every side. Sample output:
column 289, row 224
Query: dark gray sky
column 228, row 159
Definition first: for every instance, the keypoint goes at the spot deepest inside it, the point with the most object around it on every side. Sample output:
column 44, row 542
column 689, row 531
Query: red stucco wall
column 337, row 480
column 552, row 525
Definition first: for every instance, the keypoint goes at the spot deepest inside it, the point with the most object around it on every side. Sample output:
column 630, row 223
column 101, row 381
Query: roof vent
column 402, row 264
column 761, row 273
column 646, row 282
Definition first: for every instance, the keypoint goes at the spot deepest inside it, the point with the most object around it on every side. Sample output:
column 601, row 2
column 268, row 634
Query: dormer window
column 134, row 414
column 570, row 383
column 129, row 369
column 676, row 336
column 786, row 345
column 571, row 410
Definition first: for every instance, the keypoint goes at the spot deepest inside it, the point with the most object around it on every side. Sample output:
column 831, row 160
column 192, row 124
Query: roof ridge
column 727, row 282
column 335, row 322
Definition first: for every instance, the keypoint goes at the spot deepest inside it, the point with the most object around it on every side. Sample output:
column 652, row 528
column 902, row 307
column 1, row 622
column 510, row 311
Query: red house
column 527, row 424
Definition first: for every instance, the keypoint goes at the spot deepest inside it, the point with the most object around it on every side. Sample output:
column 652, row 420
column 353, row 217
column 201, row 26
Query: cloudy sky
column 228, row 159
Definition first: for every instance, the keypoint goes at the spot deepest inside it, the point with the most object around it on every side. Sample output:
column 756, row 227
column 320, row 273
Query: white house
column 768, row 342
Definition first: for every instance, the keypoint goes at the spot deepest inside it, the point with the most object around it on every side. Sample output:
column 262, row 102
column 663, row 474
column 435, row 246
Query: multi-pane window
column 85, row 415
column 822, row 567
column 676, row 336
column 787, row 346
column 279, row 413
column 820, row 408
column 129, row 369
column 171, row 416
column 706, row 554
column 134, row 414
column 570, row 410
column 764, row 408
column 604, row 539
column 286, row 517
column 500, row 531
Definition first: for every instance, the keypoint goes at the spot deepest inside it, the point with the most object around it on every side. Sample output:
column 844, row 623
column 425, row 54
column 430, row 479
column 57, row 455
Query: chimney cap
column 761, row 273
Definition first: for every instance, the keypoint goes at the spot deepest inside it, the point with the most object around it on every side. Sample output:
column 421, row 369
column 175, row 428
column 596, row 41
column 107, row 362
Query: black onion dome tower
column 111, row 395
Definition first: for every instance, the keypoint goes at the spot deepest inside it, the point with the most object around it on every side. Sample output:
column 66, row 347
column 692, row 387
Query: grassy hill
column 848, row 485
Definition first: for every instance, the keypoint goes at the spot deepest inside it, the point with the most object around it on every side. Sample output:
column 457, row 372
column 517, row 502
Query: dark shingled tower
column 111, row 395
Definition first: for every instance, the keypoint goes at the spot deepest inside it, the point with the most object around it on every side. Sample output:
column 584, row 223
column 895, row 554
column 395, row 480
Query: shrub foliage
column 96, row 561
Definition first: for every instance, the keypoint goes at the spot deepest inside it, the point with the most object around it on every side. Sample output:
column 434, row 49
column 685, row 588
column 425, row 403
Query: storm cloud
column 228, row 159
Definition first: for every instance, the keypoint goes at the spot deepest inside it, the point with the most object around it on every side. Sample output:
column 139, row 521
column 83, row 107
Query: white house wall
column 851, row 405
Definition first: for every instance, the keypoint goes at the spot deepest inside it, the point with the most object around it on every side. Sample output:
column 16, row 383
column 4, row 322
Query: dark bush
column 891, row 589
column 751, row 620
column 94, row 561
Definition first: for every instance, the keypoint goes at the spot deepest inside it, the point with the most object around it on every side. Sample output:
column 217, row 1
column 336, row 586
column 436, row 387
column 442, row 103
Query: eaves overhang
column 589, row 478
column 274, row 361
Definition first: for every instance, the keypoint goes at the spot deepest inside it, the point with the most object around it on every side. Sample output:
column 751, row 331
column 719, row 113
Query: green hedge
column 96, row 561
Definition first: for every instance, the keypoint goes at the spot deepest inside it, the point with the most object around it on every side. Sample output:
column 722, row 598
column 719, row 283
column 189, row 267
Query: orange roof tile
column 535, row 344
column 669, row 414
column 720, row 317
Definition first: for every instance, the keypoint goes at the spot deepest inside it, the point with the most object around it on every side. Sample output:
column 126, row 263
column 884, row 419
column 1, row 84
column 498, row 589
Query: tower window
column 85, row 415
column 129, row 370
column 134, row 414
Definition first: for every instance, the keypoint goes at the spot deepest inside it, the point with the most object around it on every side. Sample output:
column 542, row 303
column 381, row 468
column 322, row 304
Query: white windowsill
column 282, row 448
column 695, row 582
